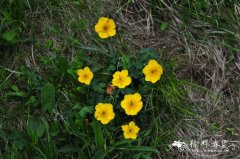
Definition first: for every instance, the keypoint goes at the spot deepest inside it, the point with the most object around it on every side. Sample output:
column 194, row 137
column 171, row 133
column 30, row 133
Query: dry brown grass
column 205, row 63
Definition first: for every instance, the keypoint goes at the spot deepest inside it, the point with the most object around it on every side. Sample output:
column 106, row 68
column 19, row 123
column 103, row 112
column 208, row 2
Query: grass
column 47, row 113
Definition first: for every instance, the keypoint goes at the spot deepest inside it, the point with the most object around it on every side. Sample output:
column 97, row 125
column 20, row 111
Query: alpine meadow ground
column 101, row 79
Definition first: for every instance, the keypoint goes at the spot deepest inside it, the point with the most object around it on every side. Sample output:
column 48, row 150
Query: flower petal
column 116, row 74
column 124, row 127
column 87, row 69
column 101, row 22
column 124, row 104
column 105, row 121
column 111, row 32
column 152, row 62
column 79, row 72
column 111, row 24
column 103, row 35
column 137, row 97
column 127, row 81
column 136, row 129
column 124, row 73
column 132, row 123
column 145, row 69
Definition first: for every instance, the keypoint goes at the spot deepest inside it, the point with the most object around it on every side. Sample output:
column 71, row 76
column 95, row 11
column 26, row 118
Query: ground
column 47, row 113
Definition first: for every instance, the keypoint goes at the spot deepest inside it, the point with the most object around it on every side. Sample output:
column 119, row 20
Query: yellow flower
column 152, row 71
column 105, row 27
column 130, row 131
column 121, row 79
column 85, row 75
column 132, row 103
column 104, row 112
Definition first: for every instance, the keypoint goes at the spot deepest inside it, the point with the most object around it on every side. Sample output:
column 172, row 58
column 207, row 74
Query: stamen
column 103, row 113
column 131, row 103
column 153, row 71
column 105, row 28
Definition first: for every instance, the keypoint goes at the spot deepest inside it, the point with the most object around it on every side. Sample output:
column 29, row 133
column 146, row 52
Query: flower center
column 85, row 76
column 105, row 28
column 129, row 130
column 153, row 71
column 131, row 103
column 103, row 113
column 120, row 80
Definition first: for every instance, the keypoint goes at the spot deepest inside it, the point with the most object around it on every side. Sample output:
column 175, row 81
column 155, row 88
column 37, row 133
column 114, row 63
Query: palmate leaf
column 85, row 110
column 36, row 126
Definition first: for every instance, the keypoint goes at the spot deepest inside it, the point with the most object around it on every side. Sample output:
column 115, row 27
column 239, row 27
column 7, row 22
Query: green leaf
column 52, row 30
column 146, row 156
column 31, row 101
column 48, row 98
column 125, row 62
column 10, row 36
column 72, row 72
column 49, row 44
column 3, row 136
column 99, row 87
column 18, row 139
column 144, row 53
column 164, row 25
column 97, row 130
column 110, row 68
column 85, row 110
column 68, row 149
column 36, row 126
column 100, row 154
column 122, row 142
column 77, row 106
column 83, row 155
column 15, row 88
column 62, row 64
column 16, row 92
column 127, row 91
